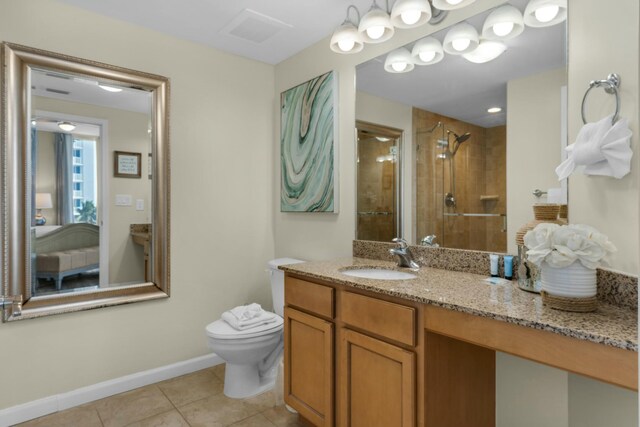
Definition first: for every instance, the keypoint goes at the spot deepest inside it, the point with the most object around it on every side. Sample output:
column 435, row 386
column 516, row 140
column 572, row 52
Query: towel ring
column 610, row 85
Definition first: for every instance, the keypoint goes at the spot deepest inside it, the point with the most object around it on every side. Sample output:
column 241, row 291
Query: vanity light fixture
column 109, row 88
column 346, row 38
column 451, row 4
column 410, row 13
column 545, row 13
column 461, row 38
column 375, row 26
column 66, row 126
column 487, row 50
column 399, row 61
column 503, row 23
column 427, row 51
column 494, row 110
column 34, row 122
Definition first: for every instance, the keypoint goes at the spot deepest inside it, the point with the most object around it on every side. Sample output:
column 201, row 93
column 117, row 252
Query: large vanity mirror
column 85, row 208
column 463, row 152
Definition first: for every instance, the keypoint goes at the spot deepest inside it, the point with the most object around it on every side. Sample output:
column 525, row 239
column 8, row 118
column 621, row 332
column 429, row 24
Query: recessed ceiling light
column 383, row 138
column 494, row 110
column 66, row 126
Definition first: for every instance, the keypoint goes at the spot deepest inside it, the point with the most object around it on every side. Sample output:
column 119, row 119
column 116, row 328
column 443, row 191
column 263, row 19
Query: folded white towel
column 603, row 148
column 246, row 312
column 241, row 325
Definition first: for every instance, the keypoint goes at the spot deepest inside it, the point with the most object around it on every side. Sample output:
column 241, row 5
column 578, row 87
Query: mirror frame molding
column 15, row 235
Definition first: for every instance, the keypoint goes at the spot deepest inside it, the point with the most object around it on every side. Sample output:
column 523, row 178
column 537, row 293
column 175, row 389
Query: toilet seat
column 221, row 330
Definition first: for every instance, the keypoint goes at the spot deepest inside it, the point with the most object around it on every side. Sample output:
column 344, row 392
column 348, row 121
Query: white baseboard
column 48, row 405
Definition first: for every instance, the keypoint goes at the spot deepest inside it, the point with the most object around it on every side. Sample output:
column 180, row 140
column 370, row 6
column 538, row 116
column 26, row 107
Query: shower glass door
column 378, row 182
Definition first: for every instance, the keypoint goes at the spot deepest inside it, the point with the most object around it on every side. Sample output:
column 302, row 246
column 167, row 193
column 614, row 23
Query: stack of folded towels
column 248, row 316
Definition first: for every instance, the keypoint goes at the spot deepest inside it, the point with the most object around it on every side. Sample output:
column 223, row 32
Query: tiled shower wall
column 480, row 170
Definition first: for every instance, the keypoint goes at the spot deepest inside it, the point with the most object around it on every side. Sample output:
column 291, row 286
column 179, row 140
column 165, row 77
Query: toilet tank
column 277, row 282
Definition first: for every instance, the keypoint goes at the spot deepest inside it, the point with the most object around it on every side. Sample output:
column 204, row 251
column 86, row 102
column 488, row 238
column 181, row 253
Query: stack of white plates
column 572, row 281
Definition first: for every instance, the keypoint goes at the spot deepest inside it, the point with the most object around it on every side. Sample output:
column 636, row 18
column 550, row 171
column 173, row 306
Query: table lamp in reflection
column 43, row 201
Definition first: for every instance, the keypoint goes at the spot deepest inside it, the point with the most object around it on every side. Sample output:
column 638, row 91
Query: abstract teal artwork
column 307, row 139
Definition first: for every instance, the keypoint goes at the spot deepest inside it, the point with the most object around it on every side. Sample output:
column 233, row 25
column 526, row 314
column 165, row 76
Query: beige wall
column 373, row 109
column 127, row 131
column 600, row 44
column 533, row 144
column 221, row 206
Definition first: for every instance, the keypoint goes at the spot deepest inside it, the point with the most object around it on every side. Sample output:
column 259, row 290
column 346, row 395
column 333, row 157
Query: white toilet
column 252, row 355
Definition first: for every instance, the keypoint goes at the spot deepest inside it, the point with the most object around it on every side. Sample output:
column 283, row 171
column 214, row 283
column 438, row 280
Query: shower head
column 462, row 138
column 459, row 139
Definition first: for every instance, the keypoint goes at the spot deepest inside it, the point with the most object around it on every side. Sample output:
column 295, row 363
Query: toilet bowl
column 252, row 355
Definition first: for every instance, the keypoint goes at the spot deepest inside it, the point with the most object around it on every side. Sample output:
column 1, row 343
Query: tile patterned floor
column 193, row 400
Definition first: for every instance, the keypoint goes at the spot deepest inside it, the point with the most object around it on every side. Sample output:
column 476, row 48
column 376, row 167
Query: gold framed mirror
column 85, row 184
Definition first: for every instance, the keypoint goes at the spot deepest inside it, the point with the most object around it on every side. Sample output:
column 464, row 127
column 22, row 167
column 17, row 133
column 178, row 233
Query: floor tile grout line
column 95, row 408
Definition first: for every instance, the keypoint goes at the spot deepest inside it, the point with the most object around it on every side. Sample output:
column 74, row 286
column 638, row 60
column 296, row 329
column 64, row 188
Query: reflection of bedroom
column 90, row 196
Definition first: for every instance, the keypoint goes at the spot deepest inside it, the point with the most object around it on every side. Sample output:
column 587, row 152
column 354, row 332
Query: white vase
column 576, row 280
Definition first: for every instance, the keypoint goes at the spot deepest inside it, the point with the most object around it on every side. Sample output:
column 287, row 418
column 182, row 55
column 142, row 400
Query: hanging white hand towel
column 603, row 148
column 263, row 318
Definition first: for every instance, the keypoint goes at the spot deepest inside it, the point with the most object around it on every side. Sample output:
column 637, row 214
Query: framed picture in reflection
column 126, row 164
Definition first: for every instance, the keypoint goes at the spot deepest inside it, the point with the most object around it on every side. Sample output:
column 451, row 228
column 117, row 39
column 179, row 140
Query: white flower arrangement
column 562, row 245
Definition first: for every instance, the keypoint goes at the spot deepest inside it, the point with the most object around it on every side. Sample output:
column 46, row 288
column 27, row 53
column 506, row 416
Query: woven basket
column 542, row 212
column 580, row 305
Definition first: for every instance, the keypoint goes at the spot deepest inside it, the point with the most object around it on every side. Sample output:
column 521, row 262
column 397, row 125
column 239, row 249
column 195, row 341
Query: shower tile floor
column 194, row 400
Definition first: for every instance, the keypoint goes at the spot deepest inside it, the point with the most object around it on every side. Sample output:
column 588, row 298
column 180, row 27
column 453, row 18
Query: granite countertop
column 469, row 293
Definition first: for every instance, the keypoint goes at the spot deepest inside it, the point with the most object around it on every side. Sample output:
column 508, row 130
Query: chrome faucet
column 405, row 258
column 430, row 241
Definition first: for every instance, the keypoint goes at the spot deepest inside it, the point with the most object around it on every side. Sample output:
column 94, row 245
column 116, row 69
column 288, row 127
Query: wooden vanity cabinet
column 377, row 363
column 364, row 345
column 378, row 383
column 309, row 339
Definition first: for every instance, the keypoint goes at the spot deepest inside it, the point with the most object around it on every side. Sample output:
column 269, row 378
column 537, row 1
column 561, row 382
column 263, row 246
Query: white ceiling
column 301, row 23
column 453, row 87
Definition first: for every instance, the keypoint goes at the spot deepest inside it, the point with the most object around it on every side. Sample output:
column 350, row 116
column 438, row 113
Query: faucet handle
column 429, row 240
column 400, row 241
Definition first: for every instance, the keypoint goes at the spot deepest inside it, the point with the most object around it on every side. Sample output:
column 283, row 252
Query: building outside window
column 85, row 180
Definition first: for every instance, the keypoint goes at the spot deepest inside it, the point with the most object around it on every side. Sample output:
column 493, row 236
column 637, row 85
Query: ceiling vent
column 254, row 27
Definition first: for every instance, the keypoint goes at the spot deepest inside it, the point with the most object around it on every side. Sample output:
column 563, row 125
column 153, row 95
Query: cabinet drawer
column 317, row 299
column 394, row 321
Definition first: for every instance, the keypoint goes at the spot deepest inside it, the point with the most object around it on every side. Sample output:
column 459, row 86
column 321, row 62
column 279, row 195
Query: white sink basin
column 378, row 273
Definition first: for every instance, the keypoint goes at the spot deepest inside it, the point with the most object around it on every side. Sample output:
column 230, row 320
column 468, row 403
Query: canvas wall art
column 308, row 146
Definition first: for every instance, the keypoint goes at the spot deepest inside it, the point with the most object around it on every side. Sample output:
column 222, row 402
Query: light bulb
column 410, row 17
column 375, row 32
column 460, row 44
column 501, row 29
column 454, row 2
column 427, row 56
column 399, row 66
column 546, row 13
column 346, row 45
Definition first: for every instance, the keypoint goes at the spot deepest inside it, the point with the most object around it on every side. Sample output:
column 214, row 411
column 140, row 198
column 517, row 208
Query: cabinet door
column 377, row 383
column 308, row 361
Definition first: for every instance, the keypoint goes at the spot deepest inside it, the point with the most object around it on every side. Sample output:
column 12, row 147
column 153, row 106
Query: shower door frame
column 398, row 135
